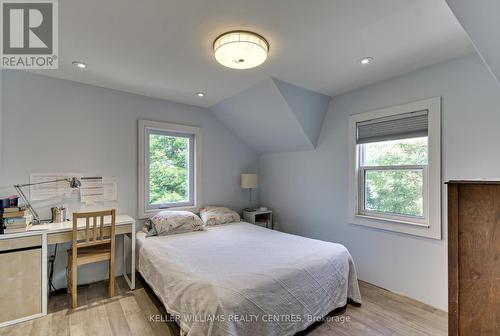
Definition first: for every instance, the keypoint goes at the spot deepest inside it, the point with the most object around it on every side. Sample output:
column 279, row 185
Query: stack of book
column 16, row 219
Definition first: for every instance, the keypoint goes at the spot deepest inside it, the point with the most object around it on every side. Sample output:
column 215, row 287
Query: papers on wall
column 98, row 189
column 91, row 190
column 110, row 188
column 51, row 189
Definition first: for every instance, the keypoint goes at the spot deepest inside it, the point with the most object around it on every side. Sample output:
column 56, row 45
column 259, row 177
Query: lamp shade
column 249, row 181
column 240, row 49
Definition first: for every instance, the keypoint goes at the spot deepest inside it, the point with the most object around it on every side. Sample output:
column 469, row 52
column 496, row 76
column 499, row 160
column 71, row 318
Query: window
column 169, row 166
column 395, row 169
column 392, row 175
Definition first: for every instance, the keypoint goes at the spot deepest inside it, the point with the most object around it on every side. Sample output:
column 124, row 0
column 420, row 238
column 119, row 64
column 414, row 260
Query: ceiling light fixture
column 200, row 94
column 79, row 65
column 366, row 60
column 240, row 49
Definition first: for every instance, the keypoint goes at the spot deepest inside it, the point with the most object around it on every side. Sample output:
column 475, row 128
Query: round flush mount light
column 200, row 94
column 240, row 49
column 79, row 65
column 366, row 60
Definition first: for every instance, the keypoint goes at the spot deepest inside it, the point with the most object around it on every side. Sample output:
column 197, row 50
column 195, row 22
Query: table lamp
column 249, row 181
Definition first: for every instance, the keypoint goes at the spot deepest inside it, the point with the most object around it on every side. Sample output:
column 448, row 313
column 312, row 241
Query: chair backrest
column 96, row 228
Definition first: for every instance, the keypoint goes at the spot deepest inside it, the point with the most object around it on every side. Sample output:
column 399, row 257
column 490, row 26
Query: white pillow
column 215, row 215
column 170, row 222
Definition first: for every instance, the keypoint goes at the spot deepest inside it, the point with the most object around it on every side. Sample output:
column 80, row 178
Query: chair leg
column 68, row 278
column 74, row 282
column 112, row 277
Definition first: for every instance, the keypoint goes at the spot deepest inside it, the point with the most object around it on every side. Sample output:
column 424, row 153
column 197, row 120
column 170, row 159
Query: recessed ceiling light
column 79, row 65
column 366, row 60
column 240, row 49
column 200, row 94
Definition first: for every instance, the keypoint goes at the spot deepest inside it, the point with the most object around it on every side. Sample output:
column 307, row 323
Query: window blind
column 402, row 126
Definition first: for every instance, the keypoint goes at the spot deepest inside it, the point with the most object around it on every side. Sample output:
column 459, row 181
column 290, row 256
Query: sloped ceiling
column 480, row 19
column 164, row 48
column 274, row 116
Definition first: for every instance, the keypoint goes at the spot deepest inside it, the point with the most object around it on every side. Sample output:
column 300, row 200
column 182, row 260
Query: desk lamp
column 74, row 182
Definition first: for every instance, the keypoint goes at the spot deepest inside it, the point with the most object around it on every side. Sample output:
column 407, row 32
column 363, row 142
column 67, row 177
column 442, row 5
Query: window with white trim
column 395, row 168
column 168, row 173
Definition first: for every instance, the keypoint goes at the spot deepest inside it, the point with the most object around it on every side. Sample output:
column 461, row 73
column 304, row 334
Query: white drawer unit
column 24, row 273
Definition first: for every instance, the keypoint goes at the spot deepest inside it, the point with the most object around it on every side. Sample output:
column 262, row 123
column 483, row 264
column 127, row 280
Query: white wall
column 479, row 19
column 308, row 190
column 1, row 102
column 53, row 125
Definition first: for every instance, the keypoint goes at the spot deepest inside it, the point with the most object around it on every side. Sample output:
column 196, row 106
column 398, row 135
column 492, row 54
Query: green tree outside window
column 395, row 191
column 168, row 169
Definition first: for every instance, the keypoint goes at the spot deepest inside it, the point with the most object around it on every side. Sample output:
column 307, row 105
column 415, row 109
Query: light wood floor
column 128, row 313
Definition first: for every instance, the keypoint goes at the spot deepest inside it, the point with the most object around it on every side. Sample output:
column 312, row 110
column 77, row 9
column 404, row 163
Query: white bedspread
column 241, row 279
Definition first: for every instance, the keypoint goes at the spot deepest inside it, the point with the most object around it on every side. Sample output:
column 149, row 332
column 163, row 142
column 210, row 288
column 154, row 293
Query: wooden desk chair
column 96, row 243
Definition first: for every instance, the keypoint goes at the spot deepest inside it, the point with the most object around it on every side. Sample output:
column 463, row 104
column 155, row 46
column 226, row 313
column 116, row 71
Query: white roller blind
column 402, row 126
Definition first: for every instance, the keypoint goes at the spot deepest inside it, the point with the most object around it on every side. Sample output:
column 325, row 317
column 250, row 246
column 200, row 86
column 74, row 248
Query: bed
column 242, row 279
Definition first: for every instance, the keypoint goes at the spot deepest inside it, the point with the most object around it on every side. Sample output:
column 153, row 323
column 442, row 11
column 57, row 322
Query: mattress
column 242, row 279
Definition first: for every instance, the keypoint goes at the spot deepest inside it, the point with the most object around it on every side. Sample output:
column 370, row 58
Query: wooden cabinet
column 474, row 258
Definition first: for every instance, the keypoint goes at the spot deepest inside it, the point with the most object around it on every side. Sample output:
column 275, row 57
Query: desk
column 23, row 262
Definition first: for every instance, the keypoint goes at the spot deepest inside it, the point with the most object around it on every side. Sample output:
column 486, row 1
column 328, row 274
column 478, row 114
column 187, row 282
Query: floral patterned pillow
column 172, row 222
column 215, row 215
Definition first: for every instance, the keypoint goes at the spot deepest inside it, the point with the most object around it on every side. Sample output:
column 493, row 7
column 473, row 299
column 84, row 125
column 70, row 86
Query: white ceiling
column 480, row 21
column 163, row 48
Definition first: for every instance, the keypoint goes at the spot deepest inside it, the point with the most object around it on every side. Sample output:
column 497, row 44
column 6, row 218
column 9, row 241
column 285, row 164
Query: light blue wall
column 308, row 189
column 274, row 116
column 480, row 20
column 53, row 125
column 261, row 117
column 1, row 103
column 309, row 107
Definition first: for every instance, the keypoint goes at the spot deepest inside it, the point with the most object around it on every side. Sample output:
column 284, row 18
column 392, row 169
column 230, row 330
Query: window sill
column 391, row 220
column 410, row 228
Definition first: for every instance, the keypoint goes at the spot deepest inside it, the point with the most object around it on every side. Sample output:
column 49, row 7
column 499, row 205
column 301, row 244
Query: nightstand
column 262, row 218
